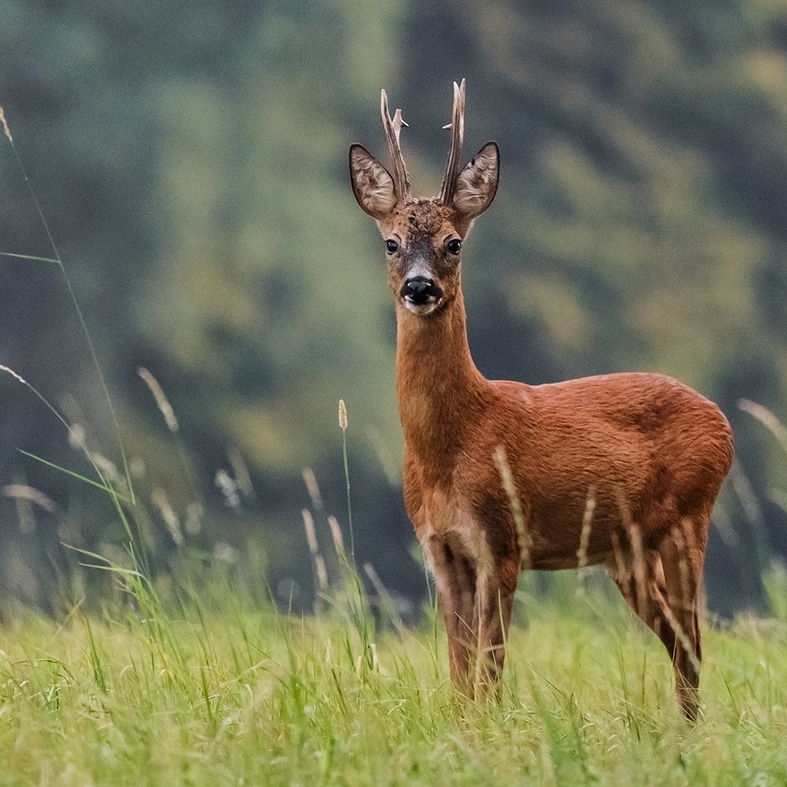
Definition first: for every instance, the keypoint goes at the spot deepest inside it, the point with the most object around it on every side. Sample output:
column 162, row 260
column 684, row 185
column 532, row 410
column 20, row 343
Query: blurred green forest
column 190, row 160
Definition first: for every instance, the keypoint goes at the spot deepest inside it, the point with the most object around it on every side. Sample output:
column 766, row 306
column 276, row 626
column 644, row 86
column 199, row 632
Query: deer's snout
column 420, row 294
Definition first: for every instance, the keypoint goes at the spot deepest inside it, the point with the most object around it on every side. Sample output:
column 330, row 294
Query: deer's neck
column 440, row 390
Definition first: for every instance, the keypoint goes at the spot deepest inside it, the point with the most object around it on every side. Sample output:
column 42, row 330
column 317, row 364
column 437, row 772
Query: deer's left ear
column 476, row 184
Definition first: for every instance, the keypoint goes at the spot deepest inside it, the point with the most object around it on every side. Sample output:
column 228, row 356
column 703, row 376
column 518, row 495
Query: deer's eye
column 454, row 246
column 391, row 246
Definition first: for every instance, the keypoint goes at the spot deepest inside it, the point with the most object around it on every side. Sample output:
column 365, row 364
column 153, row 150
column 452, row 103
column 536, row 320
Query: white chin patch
column 421, row 309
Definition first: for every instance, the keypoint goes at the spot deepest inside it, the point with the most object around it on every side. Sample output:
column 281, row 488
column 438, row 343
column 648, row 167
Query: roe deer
column 619, row 469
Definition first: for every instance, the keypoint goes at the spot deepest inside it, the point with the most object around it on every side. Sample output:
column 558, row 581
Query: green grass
column 209, row 688
column 190, row 679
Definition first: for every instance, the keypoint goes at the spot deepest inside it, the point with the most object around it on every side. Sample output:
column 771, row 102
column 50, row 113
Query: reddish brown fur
column 648, row 451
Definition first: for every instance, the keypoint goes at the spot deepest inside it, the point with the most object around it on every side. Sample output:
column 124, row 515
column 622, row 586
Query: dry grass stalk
column 587, row 525
column 385, row 601
column 620, row 558
column 13, row 374
column 640, row 570
column 321, row 572
column 5, row 126
column 682, row 637
column 766, row 418
column 32, row 495
column 161, row 502
column 375, row 665
column 374, row 578
column 318, row 562
column 310, row 479
column 241, row 474
column 228, row 488
column 107, row 469
column 311, row 532
column 161, row 400
column 683, row 564
column 638, row 559
column 520, row 521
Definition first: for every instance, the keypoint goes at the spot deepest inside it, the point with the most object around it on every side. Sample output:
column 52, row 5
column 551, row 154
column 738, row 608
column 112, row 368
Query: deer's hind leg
column 682, row 555
column 661, row 585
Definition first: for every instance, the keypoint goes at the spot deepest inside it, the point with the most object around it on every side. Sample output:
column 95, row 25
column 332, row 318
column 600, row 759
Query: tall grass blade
column 58, row 260
column 343, row 426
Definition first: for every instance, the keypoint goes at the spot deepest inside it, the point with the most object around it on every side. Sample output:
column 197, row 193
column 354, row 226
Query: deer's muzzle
column 420, row 294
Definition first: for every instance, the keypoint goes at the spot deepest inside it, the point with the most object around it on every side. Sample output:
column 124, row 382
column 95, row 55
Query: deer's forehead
column 425, row 219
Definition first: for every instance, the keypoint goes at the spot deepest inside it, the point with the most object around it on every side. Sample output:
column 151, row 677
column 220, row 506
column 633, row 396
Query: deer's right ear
column 372, row 184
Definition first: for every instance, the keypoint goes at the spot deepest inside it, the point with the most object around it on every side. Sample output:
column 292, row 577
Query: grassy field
column 207, row 687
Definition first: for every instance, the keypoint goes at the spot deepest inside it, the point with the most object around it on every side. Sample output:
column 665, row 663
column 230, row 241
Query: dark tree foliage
column 190, row 160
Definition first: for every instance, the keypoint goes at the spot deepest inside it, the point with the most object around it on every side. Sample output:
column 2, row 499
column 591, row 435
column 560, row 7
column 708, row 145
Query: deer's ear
column 372, row 184
column 476, row 184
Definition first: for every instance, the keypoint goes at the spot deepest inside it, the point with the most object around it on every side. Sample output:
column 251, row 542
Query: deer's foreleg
column 456, row 577
column 494, row 599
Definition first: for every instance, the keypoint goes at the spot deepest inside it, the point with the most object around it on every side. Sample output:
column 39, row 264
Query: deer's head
column 423, row 237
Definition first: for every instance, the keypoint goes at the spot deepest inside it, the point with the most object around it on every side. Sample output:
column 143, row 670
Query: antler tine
column 393, row 127
column 457, row 127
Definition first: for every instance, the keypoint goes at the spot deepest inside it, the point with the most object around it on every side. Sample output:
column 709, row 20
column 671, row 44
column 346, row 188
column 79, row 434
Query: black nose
column 420, row 290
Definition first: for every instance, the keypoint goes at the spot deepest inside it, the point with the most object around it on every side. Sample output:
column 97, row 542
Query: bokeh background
column 190, row 160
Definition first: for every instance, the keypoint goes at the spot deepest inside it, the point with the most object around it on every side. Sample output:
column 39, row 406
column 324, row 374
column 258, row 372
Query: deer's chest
column 448, row 530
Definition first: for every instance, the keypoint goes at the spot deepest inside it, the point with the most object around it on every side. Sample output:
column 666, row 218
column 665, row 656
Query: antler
column 393, row 127
column 457, row 127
